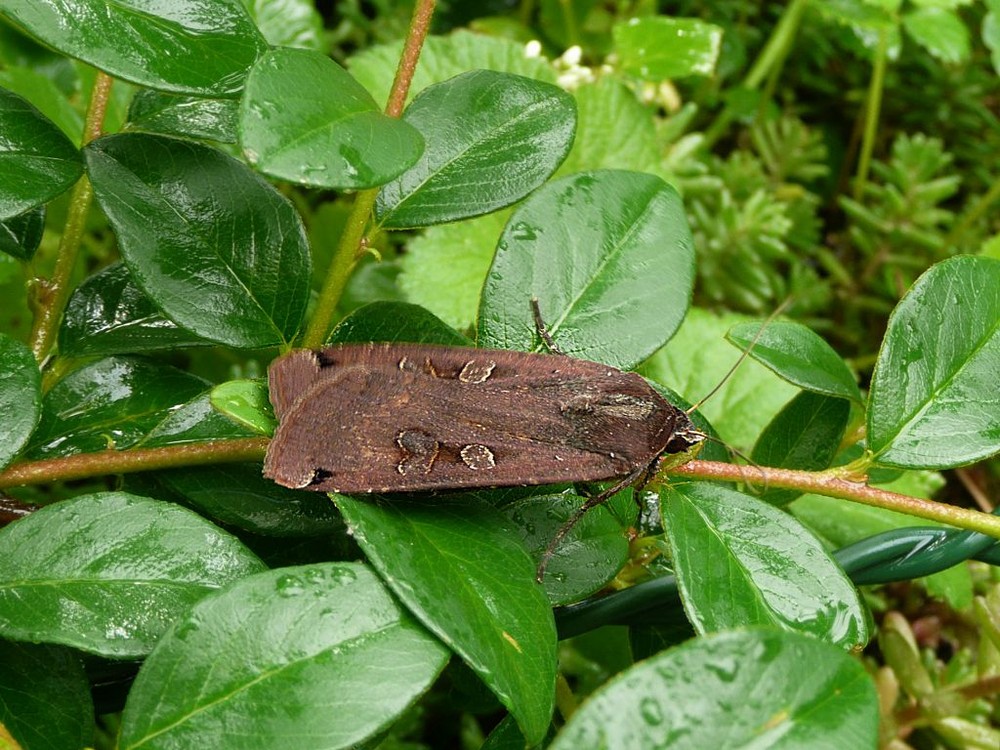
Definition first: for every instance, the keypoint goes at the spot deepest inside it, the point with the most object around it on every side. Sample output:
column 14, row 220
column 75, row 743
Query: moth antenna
column 543, row 331
column 740, row 454
column 579, row 513
column 746, row 353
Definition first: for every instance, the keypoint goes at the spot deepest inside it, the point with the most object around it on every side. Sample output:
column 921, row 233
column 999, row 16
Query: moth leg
column 543, row 332
column 642, row 472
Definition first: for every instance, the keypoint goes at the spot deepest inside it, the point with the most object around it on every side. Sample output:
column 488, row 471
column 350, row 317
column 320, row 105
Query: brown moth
column 359, row 418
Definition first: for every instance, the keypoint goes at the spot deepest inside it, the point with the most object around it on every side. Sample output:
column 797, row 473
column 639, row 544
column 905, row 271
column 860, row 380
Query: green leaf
column 245, row 403
column 395, row 321
column 491, row 139
column 197, row 421
column 44, row 93
column 107, row 573
column 192, row 46
column 798, row 355
column 45, row 699
column 109, row 314
column 805, row 434
column 741, row 562
column 217, row 248
column 939, row 31
column 586, row 559
column 37, row 162
column 461, row 572
column 289, row 23
column 934, row 402
column 706, row 693
column 237, row 495
column 20, row 397
column 21, row 235
column 186, row 116
column 659, row 48
column 613, row 131
column 625, row 239
column 318, row 656
column 111, row 403
column 444, row 57
column 455, row 257
column 304, row 119
column 698, row 358
column 991, row 33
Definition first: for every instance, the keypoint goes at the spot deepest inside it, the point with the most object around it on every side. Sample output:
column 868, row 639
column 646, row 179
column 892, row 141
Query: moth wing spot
column 420, row 451
column 477, row 371
column 318, row 477
column 478, row 457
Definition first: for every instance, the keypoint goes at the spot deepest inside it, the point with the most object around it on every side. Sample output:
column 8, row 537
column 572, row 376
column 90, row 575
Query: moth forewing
column 361, row 418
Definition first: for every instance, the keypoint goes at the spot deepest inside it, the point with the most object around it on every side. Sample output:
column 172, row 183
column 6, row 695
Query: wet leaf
column 20, row 397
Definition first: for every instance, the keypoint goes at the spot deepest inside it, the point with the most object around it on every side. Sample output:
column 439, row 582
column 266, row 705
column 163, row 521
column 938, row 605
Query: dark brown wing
column 387, row 418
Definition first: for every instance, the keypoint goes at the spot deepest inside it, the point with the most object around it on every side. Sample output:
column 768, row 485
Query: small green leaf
column 111, row 403
column 21, row 235
column 395, row 321
column 805, row 434
column 491, row 139
column 934, row 401
column 197, row 421
column 939, row 31
column 625, row 239
column 20, row 397
column 107, row 573
column 798, row 355
column 289, row 23
column 37, row 162
column 659, row 48
column 217, row 248
column 245, row 402
column 193, row 46
column 590, row 555
column 741, row 562
column 109, row 314
column 319, row 656
column 45, row 700
column 706, row 694
column 186, row 116
column 456, row 565
column 304, row 118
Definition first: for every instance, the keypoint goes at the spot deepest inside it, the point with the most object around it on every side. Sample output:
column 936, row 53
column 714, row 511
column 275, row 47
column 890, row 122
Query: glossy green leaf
column 21, row 235
column 20, row 397
column 805, row 434
column 37, row 162
column 193, row 46
column 444, row 57
column 455, row 563
column 217, row 248
column 111, row 403
column 245, row 402
column 186, row 116
column 590, row 555
column 197, row 421
column 313, row 656
column 934, row 401
column 289, row 23
column 491, row 138
column 707, row 694
column 698, row 358
column 657, row 48
column 798, row 355
column 455, row 257
column 304, row 119
column 614, row 130
column 109, row 314
column 625, row 238
column 45, row 699
column 939, row 31
column 741, row 562
column 237, row 495
column 44, row 92
column 395, row 321
column 108, row 573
